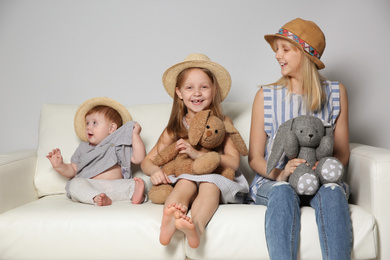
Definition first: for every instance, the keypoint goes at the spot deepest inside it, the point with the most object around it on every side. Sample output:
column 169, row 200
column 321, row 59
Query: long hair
column 312, row 84
column 175, row 127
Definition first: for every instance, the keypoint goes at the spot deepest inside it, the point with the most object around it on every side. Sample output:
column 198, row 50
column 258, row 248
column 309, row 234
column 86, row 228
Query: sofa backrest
column 56, row 130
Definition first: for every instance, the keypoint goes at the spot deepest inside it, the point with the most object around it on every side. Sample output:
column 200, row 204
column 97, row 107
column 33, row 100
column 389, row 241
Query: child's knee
column 332, row 189
column 282, row 189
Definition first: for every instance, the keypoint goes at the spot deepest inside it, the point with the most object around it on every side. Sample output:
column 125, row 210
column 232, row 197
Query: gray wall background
column 67, row 51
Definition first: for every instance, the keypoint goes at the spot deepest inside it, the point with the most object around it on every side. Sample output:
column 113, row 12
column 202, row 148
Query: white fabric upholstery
column 54, row 227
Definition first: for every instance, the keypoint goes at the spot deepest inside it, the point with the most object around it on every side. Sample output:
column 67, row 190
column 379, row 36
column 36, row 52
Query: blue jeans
column 282, row 220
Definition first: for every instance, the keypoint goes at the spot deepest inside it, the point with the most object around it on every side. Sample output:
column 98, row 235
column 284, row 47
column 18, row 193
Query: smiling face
column 196, row 91
column 98, row 128
column 290, row 58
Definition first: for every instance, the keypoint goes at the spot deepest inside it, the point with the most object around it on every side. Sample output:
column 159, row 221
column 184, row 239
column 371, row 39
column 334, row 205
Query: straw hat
column 197, row 60
column 304, row 34
column 79, row 117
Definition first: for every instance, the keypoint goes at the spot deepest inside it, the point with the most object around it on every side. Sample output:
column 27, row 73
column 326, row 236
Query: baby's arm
column 138, row 145
column 56, row 160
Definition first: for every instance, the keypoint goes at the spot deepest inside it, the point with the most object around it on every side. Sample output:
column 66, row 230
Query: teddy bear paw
column 331, row 171
column 307, row 184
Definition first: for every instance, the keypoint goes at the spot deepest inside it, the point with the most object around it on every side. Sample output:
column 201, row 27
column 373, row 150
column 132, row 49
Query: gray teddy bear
column 306, row 137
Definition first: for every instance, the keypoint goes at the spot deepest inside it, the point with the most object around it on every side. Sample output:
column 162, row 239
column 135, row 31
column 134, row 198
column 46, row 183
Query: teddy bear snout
column 208, row 133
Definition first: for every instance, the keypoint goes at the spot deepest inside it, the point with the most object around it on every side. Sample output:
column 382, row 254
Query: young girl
column 301, row 90
column 195, row 85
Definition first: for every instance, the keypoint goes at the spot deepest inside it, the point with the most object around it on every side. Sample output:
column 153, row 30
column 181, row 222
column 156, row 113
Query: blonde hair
column 175, row 127
column 312, row 87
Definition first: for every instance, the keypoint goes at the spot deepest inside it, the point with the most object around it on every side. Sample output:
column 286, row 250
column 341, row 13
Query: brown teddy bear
column 206, row 133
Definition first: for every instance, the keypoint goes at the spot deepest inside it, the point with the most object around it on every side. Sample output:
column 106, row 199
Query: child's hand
column 137, row 129
column 185, row 147
column 315, row 166
column 289, row 169
column 159, row 177
column 55, row 158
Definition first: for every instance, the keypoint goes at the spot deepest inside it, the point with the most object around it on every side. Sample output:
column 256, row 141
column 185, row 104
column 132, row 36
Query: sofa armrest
column 369, row 180
column 17, row 171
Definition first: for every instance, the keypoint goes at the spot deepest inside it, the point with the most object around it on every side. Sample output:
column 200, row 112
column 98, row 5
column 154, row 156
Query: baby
column 100, row 168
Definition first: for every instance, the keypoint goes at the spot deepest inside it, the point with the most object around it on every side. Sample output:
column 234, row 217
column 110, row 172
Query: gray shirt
column 114, row 149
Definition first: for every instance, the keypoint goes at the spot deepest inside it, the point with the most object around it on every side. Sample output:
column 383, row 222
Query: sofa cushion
column 237, row 232
column 132, row 231
column 54, row 227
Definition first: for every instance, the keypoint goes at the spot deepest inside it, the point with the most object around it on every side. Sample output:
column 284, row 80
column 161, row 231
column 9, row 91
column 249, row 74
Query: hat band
column 298, row 40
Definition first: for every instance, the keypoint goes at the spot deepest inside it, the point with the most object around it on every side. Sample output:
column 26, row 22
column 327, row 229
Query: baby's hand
column 159, row 177
column 55, row 158
column 137, row 129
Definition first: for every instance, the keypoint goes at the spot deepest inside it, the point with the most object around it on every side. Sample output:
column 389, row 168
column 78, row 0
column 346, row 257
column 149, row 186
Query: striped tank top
column 280, row 106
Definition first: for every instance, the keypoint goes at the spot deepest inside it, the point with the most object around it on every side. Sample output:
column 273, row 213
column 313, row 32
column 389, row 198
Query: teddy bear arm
column 206, row 164
column 166, row 155
column 325, row 149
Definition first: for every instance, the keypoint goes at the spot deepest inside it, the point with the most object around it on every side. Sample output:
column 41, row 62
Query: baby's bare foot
column 185, row 224
column 138, row 195
column 102, row 200
column 168, row 224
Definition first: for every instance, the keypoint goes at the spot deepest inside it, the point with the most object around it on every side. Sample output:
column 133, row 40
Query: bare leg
column 102, row 200
column 203, row 208
column 138, row 196
column 176, row 204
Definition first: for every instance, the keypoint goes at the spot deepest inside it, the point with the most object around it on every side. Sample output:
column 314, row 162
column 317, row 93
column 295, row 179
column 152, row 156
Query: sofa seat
column 54, row 227
column 38, row 221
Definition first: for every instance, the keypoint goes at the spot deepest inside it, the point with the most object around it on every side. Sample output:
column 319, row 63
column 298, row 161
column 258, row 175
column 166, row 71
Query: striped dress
column 280, row 106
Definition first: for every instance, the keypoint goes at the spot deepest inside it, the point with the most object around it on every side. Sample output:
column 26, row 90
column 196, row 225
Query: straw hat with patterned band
column 79, row 117
column 304, row 34
column 197, row 60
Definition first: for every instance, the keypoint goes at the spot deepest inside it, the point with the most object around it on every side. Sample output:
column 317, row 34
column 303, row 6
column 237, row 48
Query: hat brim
column 270, row 38
column 222, row 75
column 79, row 118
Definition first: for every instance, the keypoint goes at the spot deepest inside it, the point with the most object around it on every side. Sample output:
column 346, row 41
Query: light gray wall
column 69, row 51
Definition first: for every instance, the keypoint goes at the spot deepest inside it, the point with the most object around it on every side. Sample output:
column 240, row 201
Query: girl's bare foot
column 185, row 224
column 181, row 209
column 168, row 224
column 138, row 195
column 102, row 200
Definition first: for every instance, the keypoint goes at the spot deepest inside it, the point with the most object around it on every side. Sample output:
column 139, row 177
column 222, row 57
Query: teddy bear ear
column 237, row 139
column 277, row 148
column 198, row 124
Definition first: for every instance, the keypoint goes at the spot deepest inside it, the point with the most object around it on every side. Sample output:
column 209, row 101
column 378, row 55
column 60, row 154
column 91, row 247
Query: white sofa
column 38, row 221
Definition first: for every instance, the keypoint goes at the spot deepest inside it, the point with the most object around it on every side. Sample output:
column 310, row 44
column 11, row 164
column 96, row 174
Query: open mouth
column 197, row 101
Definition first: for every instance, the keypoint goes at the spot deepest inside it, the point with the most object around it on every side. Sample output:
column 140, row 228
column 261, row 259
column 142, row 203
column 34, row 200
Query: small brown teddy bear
column 206, row 133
